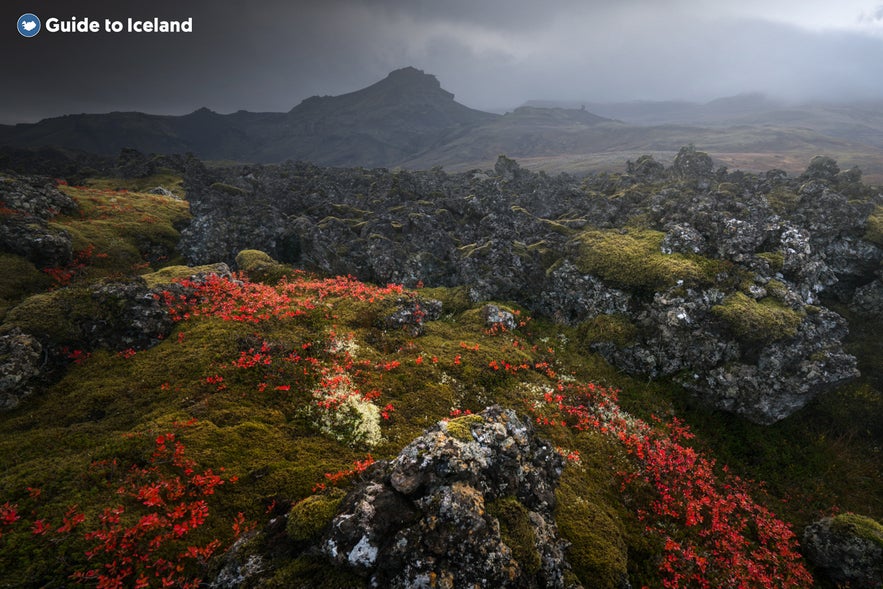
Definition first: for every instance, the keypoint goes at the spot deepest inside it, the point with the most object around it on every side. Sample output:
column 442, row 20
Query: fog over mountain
column 493, row 55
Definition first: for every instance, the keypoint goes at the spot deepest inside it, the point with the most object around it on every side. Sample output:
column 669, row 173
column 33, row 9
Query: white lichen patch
column 363, row 553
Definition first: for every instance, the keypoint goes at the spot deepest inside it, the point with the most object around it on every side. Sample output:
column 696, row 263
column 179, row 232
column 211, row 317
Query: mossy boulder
column 874, row 228
column 516, row 531
column 260, row 267
column 310, row 516
column 633, row 258
column 766, row 320
column 848, row 548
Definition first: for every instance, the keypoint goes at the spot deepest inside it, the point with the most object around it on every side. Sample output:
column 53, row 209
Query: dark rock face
column 138, row 320
column 411, row 313
column 511, row 234
column 24, row 230
column 848, row 548
column 21, row 359
column 426, row 518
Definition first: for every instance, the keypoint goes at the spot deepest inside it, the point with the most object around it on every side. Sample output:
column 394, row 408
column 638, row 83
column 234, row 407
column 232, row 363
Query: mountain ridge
column 407, row 119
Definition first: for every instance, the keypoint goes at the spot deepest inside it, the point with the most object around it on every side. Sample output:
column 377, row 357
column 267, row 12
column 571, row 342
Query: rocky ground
column 500, row 462
column 715, row 278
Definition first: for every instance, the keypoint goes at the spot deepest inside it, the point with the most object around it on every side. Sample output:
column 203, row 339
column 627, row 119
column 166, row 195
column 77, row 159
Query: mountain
column 394, row 119
column 401, row 115
column 408, row 120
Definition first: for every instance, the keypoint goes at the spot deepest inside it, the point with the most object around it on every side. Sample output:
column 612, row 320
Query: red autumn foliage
column 143, row 543
column 713, row 533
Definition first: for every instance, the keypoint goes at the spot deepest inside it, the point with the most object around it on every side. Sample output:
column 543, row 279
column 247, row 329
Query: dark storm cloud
column 493, row 53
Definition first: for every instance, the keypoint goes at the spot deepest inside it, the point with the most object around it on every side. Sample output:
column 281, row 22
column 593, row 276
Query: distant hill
column 380, row 125
column 408, row 120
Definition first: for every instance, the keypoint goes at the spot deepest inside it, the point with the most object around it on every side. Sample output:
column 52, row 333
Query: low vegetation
column 276, row 388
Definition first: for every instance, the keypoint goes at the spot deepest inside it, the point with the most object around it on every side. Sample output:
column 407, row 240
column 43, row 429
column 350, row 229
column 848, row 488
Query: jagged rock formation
column 467, row 503
column 21, row 358
column 848, row 548
column 715, row 278
column 28, row 202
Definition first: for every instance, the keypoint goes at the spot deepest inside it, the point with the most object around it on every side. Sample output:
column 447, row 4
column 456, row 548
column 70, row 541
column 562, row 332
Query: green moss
column 306, row 572
column 167, row 179
column 455, row 300
column 861, row 526
column 764, row 321
column 260, row 267
column 588, row 517
column 517, row 533
column 776, row 260
column 310, row 516
column 55, row 315
column 874, row 228
column 126, row 231
column 170, row 274
column 18, row 278
column 776, row 289
column 616, row 329
column 461, row 427
column 782, row 200
column 634, row 260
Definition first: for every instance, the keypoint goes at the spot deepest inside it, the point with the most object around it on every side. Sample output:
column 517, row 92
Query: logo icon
column 28, row 25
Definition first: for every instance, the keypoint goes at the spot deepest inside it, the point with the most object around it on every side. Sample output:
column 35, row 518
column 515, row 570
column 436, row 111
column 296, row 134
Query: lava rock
column 426, row 518
column 31, row 201
column 21, row 358
column 848, row 548
column 411, row 313
column 495, row 317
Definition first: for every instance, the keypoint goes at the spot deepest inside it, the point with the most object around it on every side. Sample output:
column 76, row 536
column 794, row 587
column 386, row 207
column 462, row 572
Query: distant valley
column 408, row 120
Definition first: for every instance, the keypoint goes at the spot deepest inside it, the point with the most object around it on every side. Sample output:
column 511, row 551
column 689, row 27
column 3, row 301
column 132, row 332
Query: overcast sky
column 492, row 54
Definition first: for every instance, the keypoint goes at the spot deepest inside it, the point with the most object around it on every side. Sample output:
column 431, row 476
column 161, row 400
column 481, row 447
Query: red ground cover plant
column 143, row 542
column 714, row 534
column 63, row 275
column 145, row 539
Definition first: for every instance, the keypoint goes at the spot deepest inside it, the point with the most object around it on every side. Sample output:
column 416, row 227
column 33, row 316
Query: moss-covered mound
column 633, row 258
column 766, row 320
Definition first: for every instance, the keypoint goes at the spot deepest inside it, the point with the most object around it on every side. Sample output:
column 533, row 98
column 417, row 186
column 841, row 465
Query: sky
column 268, row 55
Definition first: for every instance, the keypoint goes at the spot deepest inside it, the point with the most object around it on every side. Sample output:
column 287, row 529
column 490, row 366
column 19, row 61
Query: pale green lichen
column 354, row 421
column 461, row 427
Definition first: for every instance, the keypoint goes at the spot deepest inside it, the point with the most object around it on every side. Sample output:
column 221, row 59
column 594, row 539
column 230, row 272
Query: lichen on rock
column 455, row 511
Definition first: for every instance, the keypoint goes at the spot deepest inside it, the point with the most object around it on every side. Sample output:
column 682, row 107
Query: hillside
column 408, row 120
column 320, row 377
column 381, row 125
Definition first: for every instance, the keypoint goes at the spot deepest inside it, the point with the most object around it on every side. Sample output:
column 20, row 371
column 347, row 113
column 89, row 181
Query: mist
column 492, row 55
